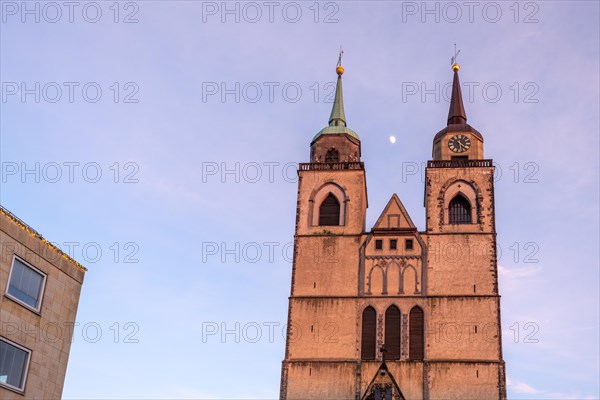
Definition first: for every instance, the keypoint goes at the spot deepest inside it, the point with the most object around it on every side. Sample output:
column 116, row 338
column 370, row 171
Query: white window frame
column 42, row 289
column 26, row 370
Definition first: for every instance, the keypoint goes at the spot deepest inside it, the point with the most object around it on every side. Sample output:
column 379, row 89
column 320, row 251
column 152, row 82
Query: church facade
column 393, row 312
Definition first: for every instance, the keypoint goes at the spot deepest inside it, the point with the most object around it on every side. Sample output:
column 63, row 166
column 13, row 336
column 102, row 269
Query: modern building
column 395, row 312
column 38, row 304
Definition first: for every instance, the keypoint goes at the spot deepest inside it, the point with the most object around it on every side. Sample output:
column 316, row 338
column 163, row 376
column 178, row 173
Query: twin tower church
column 394, row 312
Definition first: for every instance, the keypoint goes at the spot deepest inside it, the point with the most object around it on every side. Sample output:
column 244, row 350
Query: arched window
column 332, row 156
column 416, row 334
column 329, row 212
column 369, row 331
column 459, row 210
column 392, row 333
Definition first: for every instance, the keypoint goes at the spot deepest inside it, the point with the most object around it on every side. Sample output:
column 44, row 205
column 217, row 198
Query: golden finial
column 455, row 66
column 340, row 69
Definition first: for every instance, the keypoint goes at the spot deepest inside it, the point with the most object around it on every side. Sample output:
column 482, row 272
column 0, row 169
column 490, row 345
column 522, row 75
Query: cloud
column 518, row 387
column 511, row 278
column 521, row 387
column 518, row 273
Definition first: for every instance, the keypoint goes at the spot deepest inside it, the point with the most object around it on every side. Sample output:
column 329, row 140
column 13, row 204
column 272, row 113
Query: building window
column 416, row 333
column 408, row 244
column 14, row 361
column 329, row 212
column 393, row 244
column 332, row 156
column 369, row 332
column 26, row 284
column 378, row 244
column 459, row 210
column 392, row 333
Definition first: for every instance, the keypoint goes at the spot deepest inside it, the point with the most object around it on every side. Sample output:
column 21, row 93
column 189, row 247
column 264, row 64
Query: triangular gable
column 383, row 382
column 394, row 216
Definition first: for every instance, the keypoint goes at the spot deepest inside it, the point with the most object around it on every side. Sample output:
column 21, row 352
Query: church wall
column 323, row 328
column 409, row 376
column 478, row 381
column 461, row 264
column 349, row 149
column 326, row 265
column 461, row 259
column 461, row 328
column 313, row 380
column 352, row 182
column 438, row 180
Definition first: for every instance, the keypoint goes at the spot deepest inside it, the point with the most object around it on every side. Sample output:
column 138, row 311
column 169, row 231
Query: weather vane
column 456, row 53
column 339, row 69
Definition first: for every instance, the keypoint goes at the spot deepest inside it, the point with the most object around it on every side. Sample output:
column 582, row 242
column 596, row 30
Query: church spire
column 336, row 142
column 457, row 114
column 338, row 117
column 455, row 139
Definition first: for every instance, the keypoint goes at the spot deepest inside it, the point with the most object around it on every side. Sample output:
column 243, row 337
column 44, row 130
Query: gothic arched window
column 332, row 156
column 329, row 212
column 416, row 333
column 369, row 332
column 459, row 210
column 392, row 333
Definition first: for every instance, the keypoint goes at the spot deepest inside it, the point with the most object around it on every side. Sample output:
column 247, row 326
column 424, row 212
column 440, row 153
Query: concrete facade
column 448, row 271
column 45, row 332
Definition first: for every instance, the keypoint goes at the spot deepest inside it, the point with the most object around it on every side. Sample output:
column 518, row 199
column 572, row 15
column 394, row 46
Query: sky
column 156, row 143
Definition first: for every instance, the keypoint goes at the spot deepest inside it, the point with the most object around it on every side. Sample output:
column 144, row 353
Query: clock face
column 459, row 143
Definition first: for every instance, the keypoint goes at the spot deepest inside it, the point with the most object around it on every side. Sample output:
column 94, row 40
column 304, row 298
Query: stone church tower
column 394, row 312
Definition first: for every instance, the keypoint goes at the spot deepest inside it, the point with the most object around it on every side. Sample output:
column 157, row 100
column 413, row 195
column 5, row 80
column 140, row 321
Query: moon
column 393, row 139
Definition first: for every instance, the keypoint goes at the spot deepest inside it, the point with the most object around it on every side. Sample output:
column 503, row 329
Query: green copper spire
column 338, row 117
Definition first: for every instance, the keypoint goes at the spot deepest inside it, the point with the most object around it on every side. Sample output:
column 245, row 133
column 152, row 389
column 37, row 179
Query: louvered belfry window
column 332, row 156
column 369, row 332
column 459, row 210
column 416, row 334
column 329, row 212
column 392, row 333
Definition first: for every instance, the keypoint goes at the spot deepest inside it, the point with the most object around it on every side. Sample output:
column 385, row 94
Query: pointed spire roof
column 338, row 117
column 457, row 117
column 457, row 114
